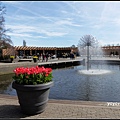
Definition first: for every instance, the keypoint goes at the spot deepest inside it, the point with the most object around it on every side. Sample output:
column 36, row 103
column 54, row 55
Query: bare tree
column 5, row 40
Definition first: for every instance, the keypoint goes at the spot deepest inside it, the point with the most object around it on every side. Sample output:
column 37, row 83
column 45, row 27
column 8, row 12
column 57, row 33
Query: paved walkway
column 61, row 109
column 9, row 108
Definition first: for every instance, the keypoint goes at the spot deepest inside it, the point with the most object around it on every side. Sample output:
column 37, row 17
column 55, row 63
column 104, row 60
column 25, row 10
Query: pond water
column 69, row 84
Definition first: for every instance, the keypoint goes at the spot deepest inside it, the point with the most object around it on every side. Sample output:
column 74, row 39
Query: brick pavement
column 62, row 109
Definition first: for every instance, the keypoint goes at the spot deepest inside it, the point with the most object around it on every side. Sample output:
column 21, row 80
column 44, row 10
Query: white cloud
column 97, row 26
column 65, row 20
column 24, row 30
column 21, row 28
column 21, row 17
column 51, row 33
column 110, row 12
column 40, row 36
column 20, row 35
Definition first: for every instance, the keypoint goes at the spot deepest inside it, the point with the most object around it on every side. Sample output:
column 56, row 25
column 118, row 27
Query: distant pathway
column 6, row 68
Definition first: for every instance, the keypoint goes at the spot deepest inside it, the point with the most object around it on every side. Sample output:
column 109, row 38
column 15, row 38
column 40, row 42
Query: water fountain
column 88, row 46
column 89, row 82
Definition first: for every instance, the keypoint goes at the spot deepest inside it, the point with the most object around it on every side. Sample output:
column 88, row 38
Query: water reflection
column 70, row 85
column 5, row 81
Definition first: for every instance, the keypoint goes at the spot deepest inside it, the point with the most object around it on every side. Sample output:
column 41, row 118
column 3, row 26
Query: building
column 111, row 50
column 31, row 50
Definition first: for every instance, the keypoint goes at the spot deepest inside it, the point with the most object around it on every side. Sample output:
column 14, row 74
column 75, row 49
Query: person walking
column 46, row 55
column 43, row 57
column 38, row 55
column 58, row 56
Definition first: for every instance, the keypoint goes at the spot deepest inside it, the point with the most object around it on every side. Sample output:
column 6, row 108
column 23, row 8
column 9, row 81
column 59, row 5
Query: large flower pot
column 32, row 98
column 11, row 59
column 35, row 60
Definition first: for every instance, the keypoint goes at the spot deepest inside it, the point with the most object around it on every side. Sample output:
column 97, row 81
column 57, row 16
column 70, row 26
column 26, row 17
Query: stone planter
column 32, row 98
column 35, row 60
column 11, row 60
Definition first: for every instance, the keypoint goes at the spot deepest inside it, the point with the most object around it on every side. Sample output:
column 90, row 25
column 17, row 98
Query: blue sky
column 62, row 23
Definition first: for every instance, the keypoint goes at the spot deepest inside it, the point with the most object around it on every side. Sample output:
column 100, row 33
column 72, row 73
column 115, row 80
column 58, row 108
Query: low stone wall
column 6, row 68
column 9, row 67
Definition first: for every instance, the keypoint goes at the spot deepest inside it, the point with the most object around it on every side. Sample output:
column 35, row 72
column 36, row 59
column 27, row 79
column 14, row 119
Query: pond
column 69, row 84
